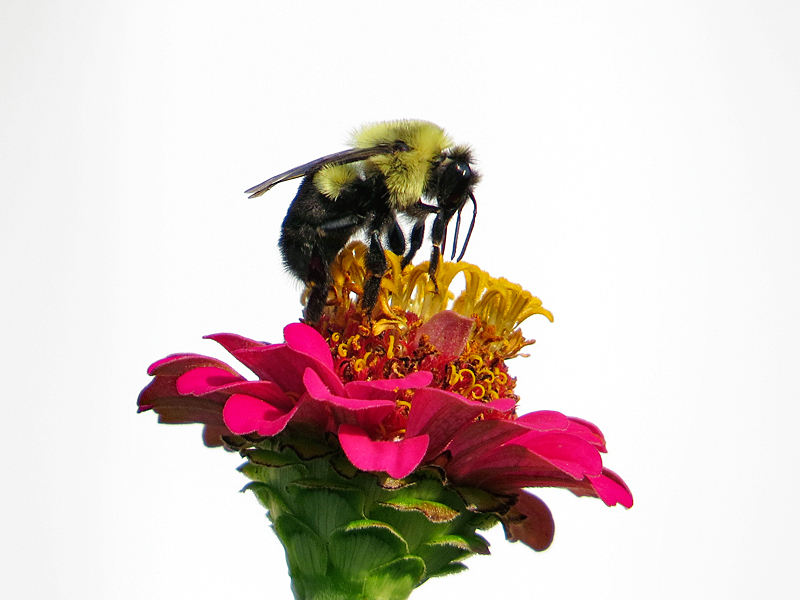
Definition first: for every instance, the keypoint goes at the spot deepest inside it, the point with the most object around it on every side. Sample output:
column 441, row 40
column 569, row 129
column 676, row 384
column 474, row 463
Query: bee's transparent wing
column 339, row 158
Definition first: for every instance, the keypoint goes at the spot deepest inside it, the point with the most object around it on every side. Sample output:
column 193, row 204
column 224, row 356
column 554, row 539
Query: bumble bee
column 389, row 170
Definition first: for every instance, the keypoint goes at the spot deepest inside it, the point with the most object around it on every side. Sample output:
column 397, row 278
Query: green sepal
column 394, row 580
column 390, row 483
column 343, row 467
column 269, row 458
column 435, row 512
column 325, row 506
column 478, row 500
column 439, row 553
column 449, row 569
column 267, row 498
column 275, row 476
column 305, row 552
column 361, row 546
column 308, row 448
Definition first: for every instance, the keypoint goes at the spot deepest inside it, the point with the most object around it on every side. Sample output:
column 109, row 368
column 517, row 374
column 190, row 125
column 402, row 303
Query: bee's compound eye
column 463, row 170
column 401, row 146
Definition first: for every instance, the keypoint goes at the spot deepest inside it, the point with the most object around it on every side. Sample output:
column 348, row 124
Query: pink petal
column 204, row 380
column 448, row 332
column 307, row 340
column 232, row 342
column 366, row 414
column 611, row 489
column 285, row 367
column 263, row 390
column 587, row 431
column 566, row 452
column 244, row 414
column 386, row 389
column 544, row 420
column 397, row 458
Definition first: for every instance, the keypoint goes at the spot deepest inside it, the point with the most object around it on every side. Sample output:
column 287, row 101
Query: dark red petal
column 178, row 364
column 481, row 437
column 160, row 387
column 440, row 414
column 505, row 467
column 212, row 435
column 448, row 332
column 188, row 409
column 263, row 390
column 397, row 458
column 536, row 529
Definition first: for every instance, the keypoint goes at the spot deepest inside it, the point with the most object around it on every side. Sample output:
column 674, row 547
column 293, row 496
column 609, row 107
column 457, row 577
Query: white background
column 641, row 169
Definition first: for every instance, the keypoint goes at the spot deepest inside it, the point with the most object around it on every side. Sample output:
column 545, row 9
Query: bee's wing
column 340, row 158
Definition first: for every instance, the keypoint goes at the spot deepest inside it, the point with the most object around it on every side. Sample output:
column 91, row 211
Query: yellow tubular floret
column 406, row 173
column 500, row 305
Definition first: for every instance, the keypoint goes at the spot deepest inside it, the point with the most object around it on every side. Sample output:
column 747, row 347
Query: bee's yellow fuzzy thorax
column 406, row 173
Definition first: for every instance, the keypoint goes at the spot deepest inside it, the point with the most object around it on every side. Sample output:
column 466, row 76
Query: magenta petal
column 544, row 420
column 263, row 390
column 232, row 342
column 386, row 389
column 397, row 458
column 611, row 489
column 587, row 431
column 204, row 380
column 285, row 367
column 502, row 405
column 244, row 414
column 305, row 339
column 448, row 332
column 566, row 452
column 366, row 414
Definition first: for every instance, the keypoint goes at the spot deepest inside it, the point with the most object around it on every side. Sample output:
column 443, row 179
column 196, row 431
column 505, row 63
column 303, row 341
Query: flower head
column 418, row 394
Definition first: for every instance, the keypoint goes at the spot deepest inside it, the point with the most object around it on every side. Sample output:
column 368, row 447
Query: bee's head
column 453, row 179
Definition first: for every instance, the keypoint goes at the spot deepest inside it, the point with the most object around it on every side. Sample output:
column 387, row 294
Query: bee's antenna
column 471, row 225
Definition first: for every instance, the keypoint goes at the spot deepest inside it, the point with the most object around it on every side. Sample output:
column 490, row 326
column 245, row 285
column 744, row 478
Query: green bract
column 350, row 534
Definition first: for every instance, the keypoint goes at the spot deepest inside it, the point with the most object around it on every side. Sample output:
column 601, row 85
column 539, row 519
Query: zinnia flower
column 381, row 443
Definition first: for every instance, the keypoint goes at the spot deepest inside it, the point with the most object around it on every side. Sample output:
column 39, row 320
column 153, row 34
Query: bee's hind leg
column 376, row 265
